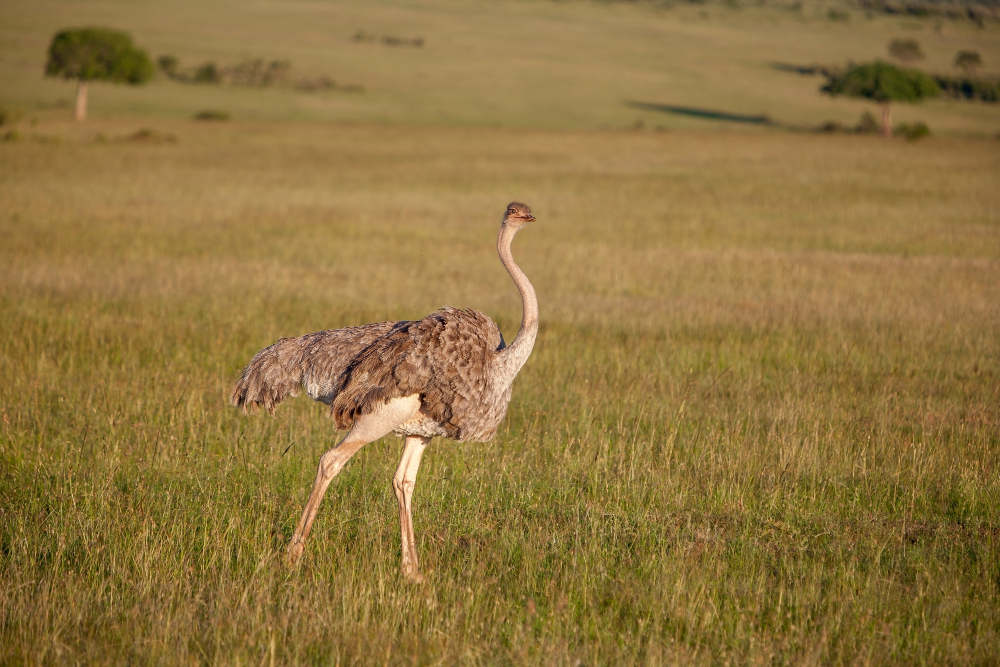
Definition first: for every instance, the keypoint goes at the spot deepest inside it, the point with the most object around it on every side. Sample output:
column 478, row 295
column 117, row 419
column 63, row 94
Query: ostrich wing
column 315, row 361
column 446, row 358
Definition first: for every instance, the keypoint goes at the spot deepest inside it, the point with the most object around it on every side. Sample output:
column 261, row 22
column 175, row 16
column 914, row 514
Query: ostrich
column 449, row 374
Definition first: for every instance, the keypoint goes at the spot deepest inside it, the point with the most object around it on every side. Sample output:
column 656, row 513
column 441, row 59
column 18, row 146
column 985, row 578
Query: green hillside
column 508, row 63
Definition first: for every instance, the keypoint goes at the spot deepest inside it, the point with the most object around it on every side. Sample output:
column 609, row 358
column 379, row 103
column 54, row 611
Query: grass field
column 760, row 424
column 520, row 63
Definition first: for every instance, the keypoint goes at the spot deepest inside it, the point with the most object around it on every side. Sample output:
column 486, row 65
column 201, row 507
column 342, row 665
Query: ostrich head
column 517, row 215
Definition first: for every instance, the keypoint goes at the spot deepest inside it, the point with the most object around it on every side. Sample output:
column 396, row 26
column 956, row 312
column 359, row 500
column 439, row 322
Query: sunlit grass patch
column 760, row 422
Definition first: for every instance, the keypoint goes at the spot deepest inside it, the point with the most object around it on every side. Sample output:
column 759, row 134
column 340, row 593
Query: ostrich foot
column 294, row 553
column 412, row 575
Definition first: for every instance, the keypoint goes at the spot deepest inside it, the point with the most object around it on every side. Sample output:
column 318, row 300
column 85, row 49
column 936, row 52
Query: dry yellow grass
column 760, row 424
column 511, row 63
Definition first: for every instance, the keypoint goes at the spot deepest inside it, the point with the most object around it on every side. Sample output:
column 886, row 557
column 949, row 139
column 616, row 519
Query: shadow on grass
column 706, row 114
column 807, row 70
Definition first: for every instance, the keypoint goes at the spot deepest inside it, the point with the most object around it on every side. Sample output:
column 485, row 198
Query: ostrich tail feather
column 316, row 361
column 269, row 378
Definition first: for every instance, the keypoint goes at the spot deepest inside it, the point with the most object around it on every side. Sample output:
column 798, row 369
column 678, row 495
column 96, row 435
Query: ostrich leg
column 367, row 428
column 403, row 483
column 330, row 464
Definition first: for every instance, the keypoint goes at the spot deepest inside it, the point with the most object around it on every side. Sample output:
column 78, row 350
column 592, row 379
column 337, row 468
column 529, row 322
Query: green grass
column 760, row 424
column 521, row 63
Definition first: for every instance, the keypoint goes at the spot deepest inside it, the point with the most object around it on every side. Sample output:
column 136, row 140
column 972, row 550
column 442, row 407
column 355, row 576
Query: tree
column 968, row 62
column 884, row 83
column 906, row 50
column 168, row 65
column 96, row 54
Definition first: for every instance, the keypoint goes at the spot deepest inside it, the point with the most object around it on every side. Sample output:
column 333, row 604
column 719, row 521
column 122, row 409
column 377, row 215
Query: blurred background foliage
column 533, row 63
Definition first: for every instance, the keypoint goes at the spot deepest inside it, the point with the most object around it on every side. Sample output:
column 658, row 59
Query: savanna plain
column 760, row 425
column 760, row 421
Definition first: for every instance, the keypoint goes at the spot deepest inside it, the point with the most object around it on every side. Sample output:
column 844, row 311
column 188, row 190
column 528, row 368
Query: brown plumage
column 448, row 374
column 315, row 361
column 445, row 358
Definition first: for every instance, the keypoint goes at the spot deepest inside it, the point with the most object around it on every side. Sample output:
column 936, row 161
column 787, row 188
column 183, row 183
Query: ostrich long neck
column 513, row 356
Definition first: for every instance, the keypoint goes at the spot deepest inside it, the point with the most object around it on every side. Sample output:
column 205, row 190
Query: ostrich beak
column 529, row 218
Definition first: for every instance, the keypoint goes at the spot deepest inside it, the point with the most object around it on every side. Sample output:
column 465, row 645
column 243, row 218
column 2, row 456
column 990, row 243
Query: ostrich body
column 449, row 374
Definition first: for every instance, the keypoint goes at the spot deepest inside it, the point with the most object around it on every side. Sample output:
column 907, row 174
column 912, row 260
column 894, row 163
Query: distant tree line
column 387, row 40
column 886, row 83
column 883, row 83
column 251, row 73
column 968, row 86
column 103, row 54
column 978, row 11
column 961, row 87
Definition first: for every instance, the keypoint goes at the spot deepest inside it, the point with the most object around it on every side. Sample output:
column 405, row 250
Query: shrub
column 906, row 50
column 207, row 73
column 211, row 114
column 969, row 88
column 168, row 65
column 867, row 124
column 313, row 85
column 150, row 136
column 255, row 73
column 388, row 40
column 913, row 132
column 968, row 61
